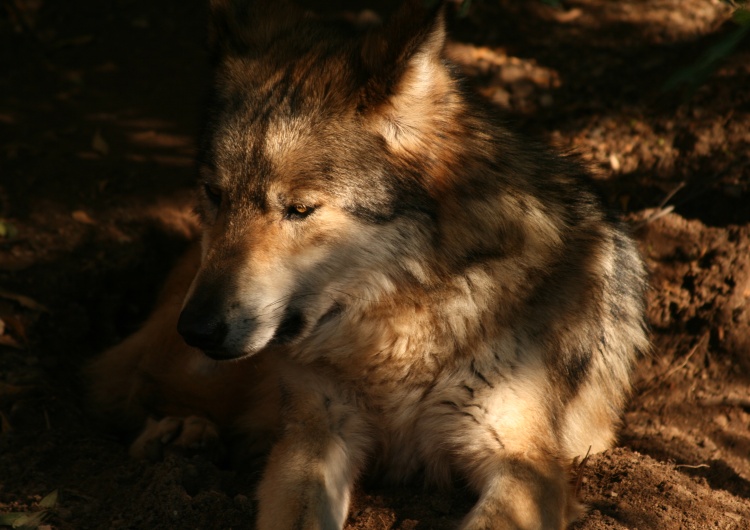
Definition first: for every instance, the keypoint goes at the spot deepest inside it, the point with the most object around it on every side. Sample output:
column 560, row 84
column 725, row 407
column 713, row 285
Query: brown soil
column 99, row 106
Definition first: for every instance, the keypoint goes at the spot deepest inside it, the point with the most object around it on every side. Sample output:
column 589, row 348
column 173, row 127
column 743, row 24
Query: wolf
column 388, row 279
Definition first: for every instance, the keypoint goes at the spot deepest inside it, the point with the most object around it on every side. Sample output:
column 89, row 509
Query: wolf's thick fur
column 405, row 283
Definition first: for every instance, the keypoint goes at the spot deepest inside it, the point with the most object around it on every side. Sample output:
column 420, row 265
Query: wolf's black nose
column 199, row 330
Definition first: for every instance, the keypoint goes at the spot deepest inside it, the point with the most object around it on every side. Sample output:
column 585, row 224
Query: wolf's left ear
column 404, row 68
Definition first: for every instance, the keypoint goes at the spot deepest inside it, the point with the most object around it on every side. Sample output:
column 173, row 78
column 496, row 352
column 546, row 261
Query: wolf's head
column 324, row 153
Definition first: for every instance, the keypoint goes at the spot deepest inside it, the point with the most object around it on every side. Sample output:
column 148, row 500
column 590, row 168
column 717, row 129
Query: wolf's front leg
column 522, row 494
column 308, row 480
column 502, row 441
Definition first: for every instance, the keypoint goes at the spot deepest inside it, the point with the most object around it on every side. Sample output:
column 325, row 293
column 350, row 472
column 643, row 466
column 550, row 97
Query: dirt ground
column 99, row 107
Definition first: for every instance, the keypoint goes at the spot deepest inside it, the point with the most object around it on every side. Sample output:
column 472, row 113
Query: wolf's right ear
column 246, row 27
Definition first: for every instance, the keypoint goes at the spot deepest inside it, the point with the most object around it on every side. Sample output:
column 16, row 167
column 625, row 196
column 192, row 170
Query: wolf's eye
column 298, row 211
column 213, row 193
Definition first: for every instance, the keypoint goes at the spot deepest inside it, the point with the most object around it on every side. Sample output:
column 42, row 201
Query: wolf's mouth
column 293, row 324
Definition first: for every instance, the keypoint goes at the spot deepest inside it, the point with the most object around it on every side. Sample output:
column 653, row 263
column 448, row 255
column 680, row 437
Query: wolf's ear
column 245, row 27
column 404, row 69
column 416, row 30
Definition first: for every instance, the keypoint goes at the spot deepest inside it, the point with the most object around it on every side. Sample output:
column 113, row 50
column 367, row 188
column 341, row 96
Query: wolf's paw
column 486, row 522
column 517, row 512
column 520, row 515
column 183, row 435
column 504, row 521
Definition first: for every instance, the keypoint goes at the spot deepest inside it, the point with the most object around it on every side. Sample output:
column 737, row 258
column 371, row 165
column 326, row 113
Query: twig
column 662, row 209
column 688, row 466
column 579, row 471
column 687, row 357
column 671, row 194
column 656, row 215
column 12, row 8
column 652, row 383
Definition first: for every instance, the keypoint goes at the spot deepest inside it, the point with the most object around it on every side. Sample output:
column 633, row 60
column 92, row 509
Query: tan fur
column 154, row 373
column 451, row 298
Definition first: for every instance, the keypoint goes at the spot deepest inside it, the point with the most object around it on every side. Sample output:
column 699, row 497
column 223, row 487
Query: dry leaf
column 24, row 301
column 50, row 500
column 98, row 143
column 9, row 391
column 82, row 217
column 31, row 520
column 5, row 426
column 8, row 519
column 7, row 340
column 80, row 40
column 568, row 16
column 17, row 326
column 614, row 162
column 8, row 230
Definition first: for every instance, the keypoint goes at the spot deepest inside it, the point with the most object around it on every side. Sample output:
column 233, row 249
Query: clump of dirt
column 99, row 106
